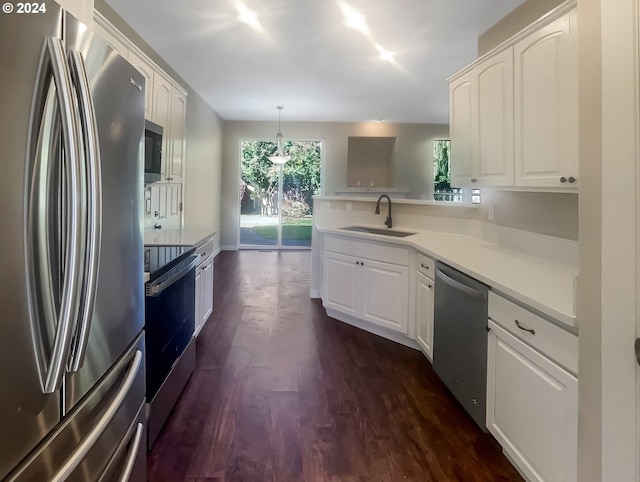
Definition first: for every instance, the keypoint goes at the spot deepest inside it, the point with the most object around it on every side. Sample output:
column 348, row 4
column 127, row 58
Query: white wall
column 608, row 307
column 525, row 14
column 413, row 167
column 203, row 171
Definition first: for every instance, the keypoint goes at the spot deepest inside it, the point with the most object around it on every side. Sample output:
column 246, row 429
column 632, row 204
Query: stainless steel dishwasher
column 460, row 338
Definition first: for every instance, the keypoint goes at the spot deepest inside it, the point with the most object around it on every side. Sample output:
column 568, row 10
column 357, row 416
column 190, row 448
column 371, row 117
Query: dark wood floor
column 282, row 392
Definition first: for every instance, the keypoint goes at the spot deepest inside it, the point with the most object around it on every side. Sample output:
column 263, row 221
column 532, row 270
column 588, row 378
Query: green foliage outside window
column 442, row 190
column 441, row 167
column 301, row 176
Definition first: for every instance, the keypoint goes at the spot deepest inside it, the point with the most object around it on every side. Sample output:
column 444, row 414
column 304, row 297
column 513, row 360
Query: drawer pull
column 530, row 330
column 424, row 266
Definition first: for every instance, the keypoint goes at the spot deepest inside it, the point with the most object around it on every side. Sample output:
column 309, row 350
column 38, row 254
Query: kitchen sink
column 384, row 232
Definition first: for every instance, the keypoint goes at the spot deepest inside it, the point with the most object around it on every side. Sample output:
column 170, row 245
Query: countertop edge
column 178, row 237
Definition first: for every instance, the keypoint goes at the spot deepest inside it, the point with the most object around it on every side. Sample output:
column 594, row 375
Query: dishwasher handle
column 468, row 290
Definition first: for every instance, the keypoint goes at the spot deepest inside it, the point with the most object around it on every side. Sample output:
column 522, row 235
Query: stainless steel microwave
column 152, row 152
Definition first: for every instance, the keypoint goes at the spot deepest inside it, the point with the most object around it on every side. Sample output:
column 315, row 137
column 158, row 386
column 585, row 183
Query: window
column 442, row 190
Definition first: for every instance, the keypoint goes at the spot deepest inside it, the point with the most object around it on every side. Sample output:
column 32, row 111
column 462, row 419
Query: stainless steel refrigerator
column 71, row 255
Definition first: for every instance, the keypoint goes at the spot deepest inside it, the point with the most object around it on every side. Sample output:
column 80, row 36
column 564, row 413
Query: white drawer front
column 205, row 250
column 425, row 265
column 554, row 342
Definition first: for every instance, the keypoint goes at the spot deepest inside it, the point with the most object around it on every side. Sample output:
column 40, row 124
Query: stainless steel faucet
column 388, row 221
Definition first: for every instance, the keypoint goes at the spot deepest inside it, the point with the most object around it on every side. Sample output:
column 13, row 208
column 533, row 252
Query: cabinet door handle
column 563, row 179
column 571, row 179
column 474, row 180
column 424, row 266
column 530, row 330
column 430, row 286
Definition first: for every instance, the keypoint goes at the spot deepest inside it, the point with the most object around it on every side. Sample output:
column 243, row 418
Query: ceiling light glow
column 248, row 16
column 385, row 54
column 354, row 19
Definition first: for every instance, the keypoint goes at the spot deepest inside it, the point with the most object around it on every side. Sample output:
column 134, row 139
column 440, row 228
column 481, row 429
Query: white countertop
column 547, row 286
column 177, row 237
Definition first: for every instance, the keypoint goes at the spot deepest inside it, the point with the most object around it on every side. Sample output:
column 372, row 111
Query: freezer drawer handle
column 461, row 287
column 101, row 425
column 93, row 186
column 131, row 456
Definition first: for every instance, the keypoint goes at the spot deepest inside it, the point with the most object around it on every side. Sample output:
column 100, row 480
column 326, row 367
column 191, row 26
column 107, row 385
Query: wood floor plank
column 282, row 392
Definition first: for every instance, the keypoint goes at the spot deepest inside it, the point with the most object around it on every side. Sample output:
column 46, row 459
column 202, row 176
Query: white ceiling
column 308, row 61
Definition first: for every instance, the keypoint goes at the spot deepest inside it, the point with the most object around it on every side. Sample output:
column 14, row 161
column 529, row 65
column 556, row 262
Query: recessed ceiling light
column 385, row 54
column 354, row 19
column 248, row 16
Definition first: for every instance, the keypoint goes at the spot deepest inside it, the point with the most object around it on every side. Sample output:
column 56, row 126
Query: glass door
column 276, row 201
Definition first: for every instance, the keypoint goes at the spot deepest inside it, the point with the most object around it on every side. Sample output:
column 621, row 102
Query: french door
column 276, row 200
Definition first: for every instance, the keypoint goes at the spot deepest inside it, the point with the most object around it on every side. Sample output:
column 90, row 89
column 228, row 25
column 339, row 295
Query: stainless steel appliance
column 71, row 266
column 170, row 325
column 152, row 152
column 460, row 338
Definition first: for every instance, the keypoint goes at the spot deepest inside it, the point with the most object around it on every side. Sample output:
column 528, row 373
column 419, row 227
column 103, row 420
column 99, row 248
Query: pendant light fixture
column 279, row 157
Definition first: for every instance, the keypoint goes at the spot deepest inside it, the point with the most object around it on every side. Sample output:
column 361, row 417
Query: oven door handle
column 158, row 286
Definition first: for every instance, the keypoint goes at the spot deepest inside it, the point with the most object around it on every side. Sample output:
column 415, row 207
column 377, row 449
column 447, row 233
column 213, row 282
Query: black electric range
column 169, row 327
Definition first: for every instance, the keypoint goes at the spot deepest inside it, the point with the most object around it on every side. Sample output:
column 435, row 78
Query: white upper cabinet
column 169, row 111
column 461, row 109
column 514, row 112
column 494, row 122
column 546, row 100
column 161, row 110
column 161, row 115
column 146, row 69
column 165, row 101
column 481, row 123
column 175, row 172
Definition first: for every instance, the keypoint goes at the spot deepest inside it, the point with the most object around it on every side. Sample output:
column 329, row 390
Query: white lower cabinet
column 424, row 304
column 204, row 284
column 385, row 294
column 532, row 408
column 359, row 283
column 204, row 293
column 341, row 275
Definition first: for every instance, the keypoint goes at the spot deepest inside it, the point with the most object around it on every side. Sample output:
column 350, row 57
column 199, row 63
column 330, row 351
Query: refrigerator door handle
column 101, row 424
column 93, row 183
column 69, row 302
column 131, row 456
